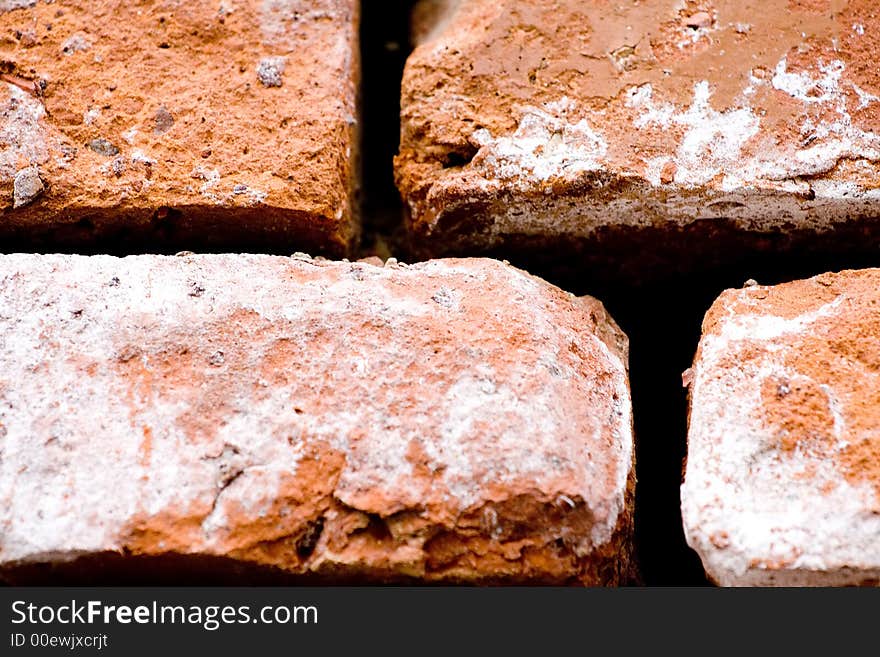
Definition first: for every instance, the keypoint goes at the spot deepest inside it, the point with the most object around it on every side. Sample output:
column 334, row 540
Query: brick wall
column 518, row 215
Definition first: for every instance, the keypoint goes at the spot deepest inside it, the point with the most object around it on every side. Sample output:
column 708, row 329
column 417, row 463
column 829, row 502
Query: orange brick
column 450, row 421
column 662, row 134
column 783, row 477
column 185, row 124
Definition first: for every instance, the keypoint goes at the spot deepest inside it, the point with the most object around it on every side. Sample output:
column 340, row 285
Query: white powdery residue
column 622, row 446
column 91, row 115
column 381, row 302
column 22, row 133
column 250, row 481
column 836, row 138
column 279, row 19
column 859, row 29
column 854, row 143
column 641, row 97
column 252, row 493
column 161, row 302
column 210, row 177
column 692, row 36
column 834, row 406
column 137, row 156
column 379, row 463
column 451, row 267
column 47, row 435
column 543, row 146
column 763, row 505
column 293, row 313
column 448, row 298
column 167, row 478
column 691, row 32
column 36, row 499
column 257, row 196
column 745, row 503
column 654, row 169
column 713, row 140
column 754, row 83
column 838, row 189
column 561, row 106
column 527, row 285
column 529, row 446
column 769, row 327
column 803, row 86
column 865, row 98
column 476, row 398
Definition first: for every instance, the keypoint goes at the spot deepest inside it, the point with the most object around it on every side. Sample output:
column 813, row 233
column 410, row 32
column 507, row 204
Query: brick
column 665, row 134
column 782, row 484
column 450, row 421
column 184, row 124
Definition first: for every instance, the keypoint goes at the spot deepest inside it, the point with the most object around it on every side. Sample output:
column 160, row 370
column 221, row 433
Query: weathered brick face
column 275, row 420
column 454, row 420
column 782, row 483
column 680, row 132
column 180, row 123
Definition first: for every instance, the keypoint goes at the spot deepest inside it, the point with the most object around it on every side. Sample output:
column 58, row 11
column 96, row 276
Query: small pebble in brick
column 26, row 187
column 270, row 70
column 103, row 147
column 164, row 120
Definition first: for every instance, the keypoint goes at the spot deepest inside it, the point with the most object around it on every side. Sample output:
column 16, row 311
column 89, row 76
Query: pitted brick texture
column 636, row 129
column 782, row 484
column 455, row 420
column 188, row 123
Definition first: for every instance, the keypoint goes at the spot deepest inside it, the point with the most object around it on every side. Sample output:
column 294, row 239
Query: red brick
column 783, row 476
column 662, row 134
column 185, row 123
column 453, row 420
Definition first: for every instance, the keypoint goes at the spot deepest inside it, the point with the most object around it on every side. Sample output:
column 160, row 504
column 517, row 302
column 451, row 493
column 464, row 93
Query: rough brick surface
column 188, row 123
column 659, row 129
column 783, row 469
column 454, row 420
